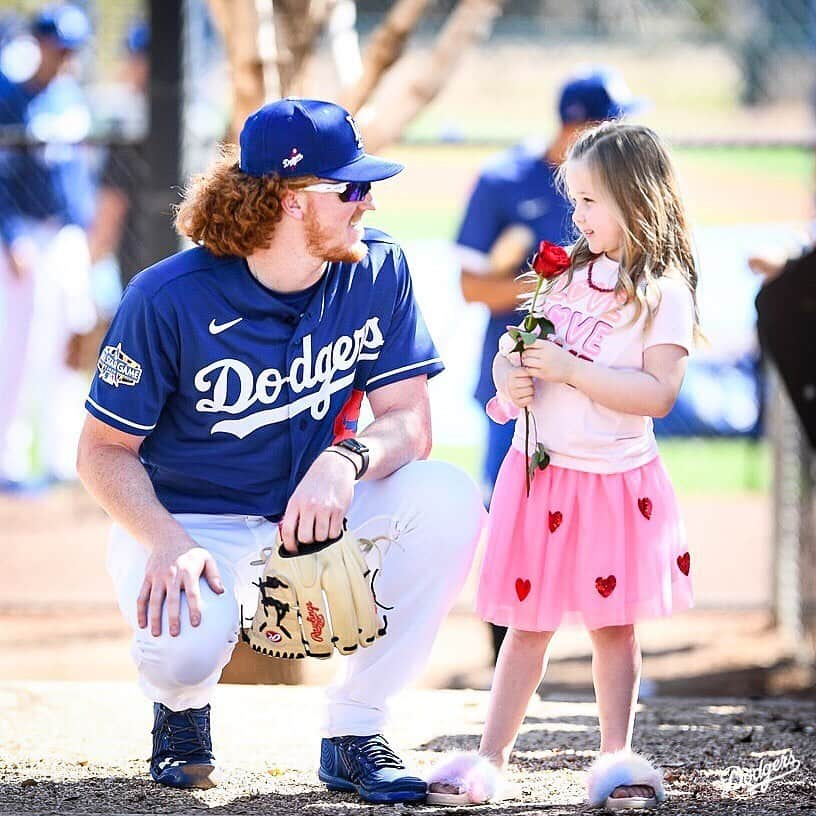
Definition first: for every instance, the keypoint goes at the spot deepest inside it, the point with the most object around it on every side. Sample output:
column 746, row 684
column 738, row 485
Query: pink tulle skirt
column 602, row 549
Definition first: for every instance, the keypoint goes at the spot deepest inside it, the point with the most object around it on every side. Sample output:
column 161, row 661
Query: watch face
column 354, row 445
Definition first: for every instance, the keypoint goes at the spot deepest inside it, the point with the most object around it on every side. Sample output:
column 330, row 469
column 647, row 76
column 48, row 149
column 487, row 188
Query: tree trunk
column 468, row 23
column 299, row 24
column 384, row 49
column 344, row 45
column 248, row 33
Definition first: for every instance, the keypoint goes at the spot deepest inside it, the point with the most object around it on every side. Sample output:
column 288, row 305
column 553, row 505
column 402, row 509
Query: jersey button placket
column 297, row 425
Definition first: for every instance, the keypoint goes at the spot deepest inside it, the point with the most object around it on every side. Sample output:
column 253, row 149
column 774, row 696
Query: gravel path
column 81, row 748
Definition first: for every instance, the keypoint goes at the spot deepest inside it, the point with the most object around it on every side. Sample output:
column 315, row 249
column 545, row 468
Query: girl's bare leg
column 616, row 662
column 519, row 669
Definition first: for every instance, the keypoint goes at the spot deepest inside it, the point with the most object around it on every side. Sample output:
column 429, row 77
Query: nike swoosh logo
column 215, row 328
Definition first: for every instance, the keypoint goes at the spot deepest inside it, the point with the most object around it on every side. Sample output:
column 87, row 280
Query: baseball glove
column 511, row 249
column 317, row 600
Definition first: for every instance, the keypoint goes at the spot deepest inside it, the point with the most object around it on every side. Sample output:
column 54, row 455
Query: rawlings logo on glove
column 314, row 601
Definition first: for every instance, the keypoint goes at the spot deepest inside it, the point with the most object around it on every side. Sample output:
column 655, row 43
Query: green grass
column 412, row 224
column 427, row 200
column 770, row 163
column 695, row 465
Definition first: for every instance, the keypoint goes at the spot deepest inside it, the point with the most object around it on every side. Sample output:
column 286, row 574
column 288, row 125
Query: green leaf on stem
column 542, row 458
column 546, row 326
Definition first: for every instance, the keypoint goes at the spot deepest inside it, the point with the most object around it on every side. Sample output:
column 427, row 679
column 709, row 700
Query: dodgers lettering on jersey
column 238, row 389
column 517, row 187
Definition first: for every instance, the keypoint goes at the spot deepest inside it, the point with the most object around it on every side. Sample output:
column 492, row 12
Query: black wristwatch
column 355, row 446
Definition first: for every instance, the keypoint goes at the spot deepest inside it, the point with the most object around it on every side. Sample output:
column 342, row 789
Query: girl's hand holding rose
column 519, row 387
column 547, row 361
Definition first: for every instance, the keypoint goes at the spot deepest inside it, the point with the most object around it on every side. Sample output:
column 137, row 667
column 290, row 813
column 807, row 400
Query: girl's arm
column 650, row 391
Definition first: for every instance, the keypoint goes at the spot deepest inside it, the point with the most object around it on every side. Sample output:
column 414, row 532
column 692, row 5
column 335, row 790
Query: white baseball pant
column 426, row 519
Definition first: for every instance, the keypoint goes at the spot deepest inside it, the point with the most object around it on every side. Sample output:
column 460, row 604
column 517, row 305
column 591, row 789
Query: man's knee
column 450, row 499
column 193, row 667
column 192, row 657
column 176, row 663
column 448, row 511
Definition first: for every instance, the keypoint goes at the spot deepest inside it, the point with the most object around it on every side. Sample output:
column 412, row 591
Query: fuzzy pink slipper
column 610, row 771
column 476, row 779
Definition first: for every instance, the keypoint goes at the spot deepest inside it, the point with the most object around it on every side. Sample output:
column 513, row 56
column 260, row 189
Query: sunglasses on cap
column 347, row 190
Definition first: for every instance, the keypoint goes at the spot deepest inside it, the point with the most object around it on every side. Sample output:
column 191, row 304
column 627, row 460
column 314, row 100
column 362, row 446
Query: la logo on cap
column 357, row 135
column 294, row 158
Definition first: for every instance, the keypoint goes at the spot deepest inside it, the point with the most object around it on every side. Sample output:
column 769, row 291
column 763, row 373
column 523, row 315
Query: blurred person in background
column 786, row 327
column 516, row 189
column 114, row 231
column 116, row 241
column 770, row 265
column 46, row 200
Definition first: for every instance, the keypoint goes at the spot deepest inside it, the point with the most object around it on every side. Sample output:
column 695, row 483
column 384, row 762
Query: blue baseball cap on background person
column 308, row 137
column 137, row 38
column 66, row 24
column 595, row 96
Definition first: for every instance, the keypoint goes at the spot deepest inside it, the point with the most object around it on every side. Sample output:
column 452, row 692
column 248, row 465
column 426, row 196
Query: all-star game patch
column 116, row 368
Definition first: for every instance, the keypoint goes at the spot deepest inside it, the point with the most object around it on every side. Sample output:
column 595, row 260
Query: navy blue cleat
column 182, row 748
column 369, row 767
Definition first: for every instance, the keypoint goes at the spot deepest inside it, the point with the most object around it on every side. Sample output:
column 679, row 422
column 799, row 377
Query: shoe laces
column 373, row 752
column 187, row 732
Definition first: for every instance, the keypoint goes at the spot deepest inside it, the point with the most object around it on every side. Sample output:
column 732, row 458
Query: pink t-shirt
column 578, row 433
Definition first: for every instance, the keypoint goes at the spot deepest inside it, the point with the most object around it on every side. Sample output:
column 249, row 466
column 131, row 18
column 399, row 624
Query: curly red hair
column 231, row 212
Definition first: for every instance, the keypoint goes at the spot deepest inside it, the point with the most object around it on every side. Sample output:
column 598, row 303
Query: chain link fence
column 794, row 502
column 100, row 130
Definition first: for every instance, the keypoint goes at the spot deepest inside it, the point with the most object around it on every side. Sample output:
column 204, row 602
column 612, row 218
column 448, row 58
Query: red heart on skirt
column 523, row 588
column 684, row 562
column 645, row 507
column 606, row 586
column 555, row 520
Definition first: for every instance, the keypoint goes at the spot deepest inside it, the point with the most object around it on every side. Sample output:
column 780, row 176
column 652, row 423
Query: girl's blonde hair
column 231, row 212
column 633, row 170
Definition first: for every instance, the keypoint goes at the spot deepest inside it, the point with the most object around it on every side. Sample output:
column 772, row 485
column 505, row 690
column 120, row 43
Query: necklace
column 593, row 285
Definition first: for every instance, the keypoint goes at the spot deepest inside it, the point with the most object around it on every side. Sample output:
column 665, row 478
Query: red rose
column 550, row 260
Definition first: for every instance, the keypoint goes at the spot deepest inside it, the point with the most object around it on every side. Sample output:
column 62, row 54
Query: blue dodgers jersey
column 516, row 187
column 237, row 391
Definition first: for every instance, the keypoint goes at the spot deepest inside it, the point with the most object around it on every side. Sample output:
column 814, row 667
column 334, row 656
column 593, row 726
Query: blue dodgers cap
column 308, row 137
column 66, row 24
column 595, row 96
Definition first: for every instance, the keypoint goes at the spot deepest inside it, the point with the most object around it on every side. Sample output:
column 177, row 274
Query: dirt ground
column 721, row 689
column 82, row 748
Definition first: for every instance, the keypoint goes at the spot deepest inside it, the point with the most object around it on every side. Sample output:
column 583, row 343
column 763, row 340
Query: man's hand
column 770, row 267
column 320, row 502
column 547, row 361
column 174, row 567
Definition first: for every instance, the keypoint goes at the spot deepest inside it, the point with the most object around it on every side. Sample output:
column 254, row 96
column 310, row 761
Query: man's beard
column 321, row 243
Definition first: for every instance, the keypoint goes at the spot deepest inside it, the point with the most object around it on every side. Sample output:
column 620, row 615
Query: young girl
column 599, row 539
